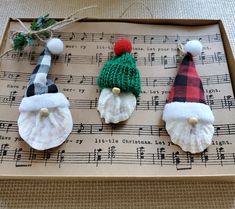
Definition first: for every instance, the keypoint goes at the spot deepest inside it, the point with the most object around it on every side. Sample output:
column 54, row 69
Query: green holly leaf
column 30, row 40
column 20, row 41
column 42, row 22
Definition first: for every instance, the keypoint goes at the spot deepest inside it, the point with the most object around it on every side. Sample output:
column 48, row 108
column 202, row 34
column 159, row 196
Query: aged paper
column 139, row 146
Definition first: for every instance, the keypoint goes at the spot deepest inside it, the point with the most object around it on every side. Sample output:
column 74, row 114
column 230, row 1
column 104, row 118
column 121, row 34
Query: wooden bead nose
column 193, row 121
column 44, row 112
column 116, row 90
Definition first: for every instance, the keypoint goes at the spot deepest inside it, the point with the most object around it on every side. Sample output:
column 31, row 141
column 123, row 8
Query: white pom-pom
column 55, row 45
column 193, row 47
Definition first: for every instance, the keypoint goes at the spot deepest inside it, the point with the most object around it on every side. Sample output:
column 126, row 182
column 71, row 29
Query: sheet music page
column 140, row 146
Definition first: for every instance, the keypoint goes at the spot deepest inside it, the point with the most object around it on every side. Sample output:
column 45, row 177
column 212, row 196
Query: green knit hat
column 121, row 71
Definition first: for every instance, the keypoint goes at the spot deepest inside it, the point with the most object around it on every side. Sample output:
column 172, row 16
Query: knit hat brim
column 36, row 102
column 185, row 110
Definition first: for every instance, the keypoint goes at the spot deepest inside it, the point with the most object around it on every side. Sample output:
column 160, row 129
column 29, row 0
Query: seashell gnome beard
column 119, row 81
column 45, row 120
column 189, row 121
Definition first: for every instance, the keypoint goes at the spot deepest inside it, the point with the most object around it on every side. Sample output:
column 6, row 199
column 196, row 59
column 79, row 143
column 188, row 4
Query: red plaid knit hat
column 186, row 99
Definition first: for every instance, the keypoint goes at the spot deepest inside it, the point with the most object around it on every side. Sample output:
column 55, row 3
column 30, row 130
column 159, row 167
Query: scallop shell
column 190, row 138
column 115, row 108
column 45, row 132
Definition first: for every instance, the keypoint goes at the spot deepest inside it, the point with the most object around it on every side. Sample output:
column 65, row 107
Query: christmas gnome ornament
column 189, row 121
column 45, row 120
column 119, row 81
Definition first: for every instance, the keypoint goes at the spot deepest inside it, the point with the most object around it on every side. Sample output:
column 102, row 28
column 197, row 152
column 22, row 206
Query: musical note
column 227, row 102
column 140, row 154
column 140, row 129
column 111, row 55
column 112, row 39
column 72, row 36
column 67, row 58
column 170, row 81
column 97, row 156
column 16, row 77
column 161, row 154
column 203, row 57
column 160, row 130
column 84, row 36
column 83, row 79
column 134, row 39
column 177, row 38
column 101, row 128
column 220, row 154
column 3, row 151
column 81, row 128
column 155, row 102
column 60, row 157
column 176, row 158
column 190, row 159
column 217, row 129
column 165, row 39
column 19, row 159
column 9, row 100
column 32, row 156
column 178, row 161
column 55, row 79
column 111, row 153
column 217, row 37
column 210, row 100
column 46, row 156
column 151, row 58
column 70, row 79
column 165, row 62
column 151, row 40
column 99, row 58
column 204, row 157
column 135, row 55
column 102, row 36
column 219, row 57
column 5, row 126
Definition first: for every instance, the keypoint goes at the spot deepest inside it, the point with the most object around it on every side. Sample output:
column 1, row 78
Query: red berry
column 122, row 46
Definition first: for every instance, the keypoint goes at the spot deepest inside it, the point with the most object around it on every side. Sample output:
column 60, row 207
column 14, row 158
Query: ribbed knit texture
column 121, row 72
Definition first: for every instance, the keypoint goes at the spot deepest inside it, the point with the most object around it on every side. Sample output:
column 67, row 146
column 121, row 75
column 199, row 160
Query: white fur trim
column 50, row 100
column 185, row 110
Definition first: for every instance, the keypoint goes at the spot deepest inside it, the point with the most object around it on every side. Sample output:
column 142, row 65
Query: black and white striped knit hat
column 44, row 88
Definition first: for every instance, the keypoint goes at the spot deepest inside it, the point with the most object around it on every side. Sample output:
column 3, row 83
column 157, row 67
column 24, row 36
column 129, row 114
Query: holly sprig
column 21, row 39
column 42, row 29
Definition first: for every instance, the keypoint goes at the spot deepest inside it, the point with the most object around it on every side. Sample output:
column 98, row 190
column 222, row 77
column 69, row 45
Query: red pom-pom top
column 122, row 46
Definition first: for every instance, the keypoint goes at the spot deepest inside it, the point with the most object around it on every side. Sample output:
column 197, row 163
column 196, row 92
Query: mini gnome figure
column 120, row 84
column 189, row 121
column 45, row 120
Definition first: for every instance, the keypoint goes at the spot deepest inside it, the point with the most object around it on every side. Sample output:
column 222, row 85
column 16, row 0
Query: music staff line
column 92, row 80
column 181, row 161
column 135, row 38
column 121, row 129
column 99, row 59
column 154, row 104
